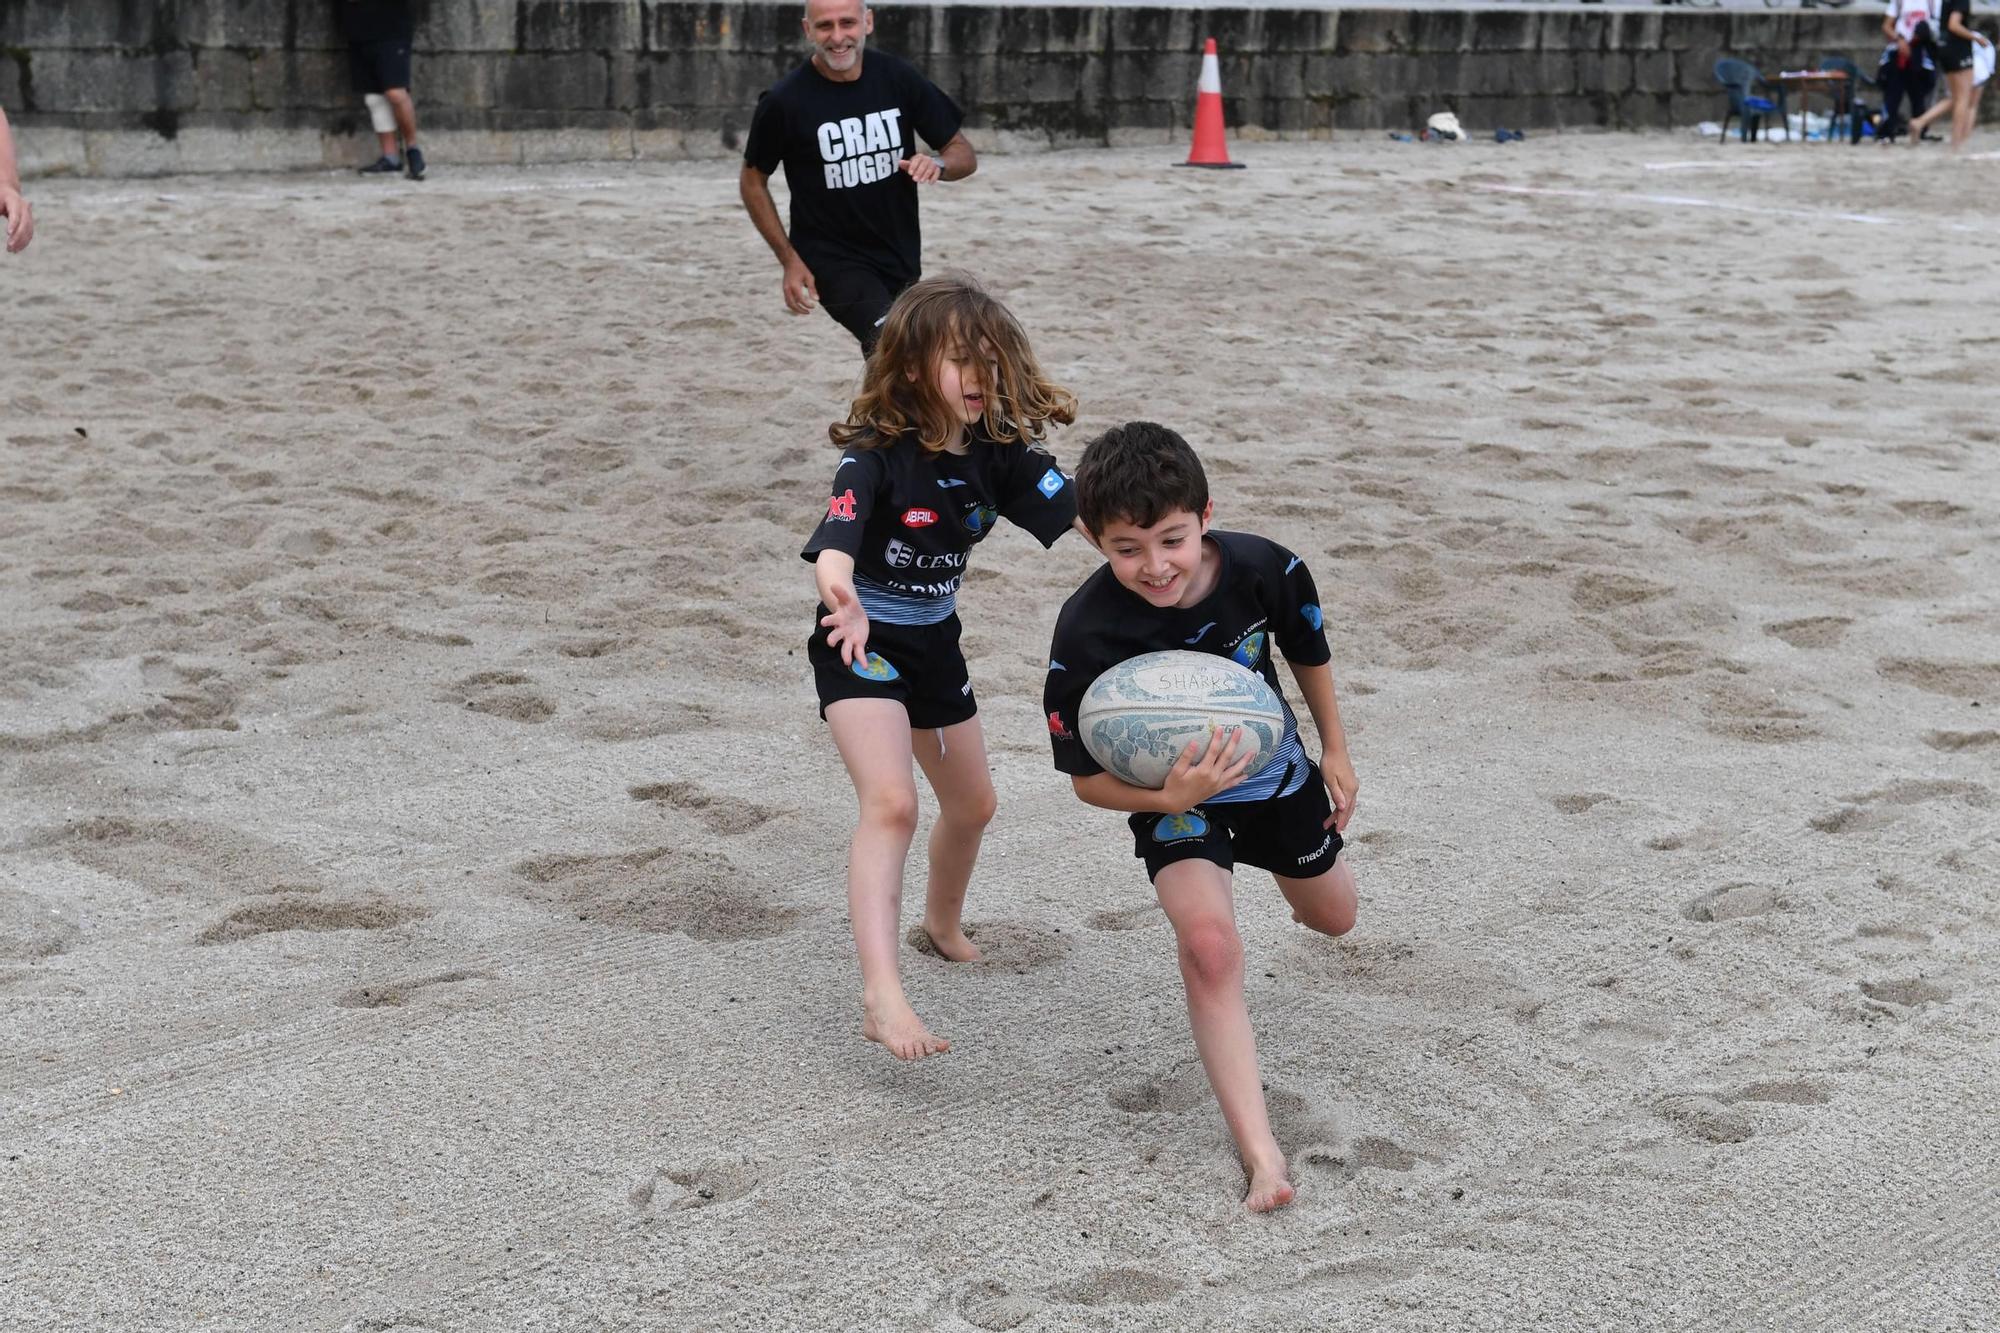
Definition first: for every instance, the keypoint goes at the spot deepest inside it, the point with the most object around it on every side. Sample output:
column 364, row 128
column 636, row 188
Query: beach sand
column 421, row 864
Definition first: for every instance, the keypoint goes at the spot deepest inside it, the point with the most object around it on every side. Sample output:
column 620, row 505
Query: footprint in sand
column 1959, row 680
column 1906, row 993
column 664, row 890
column 1127, row 918
column 1578, row 804
column 1009, row 944
column 1116, row 1286
column 1171, row 1094
column 170, row 858
column 700, row 1186
column 1874, row 809
column 1812, row 632
column 1784, row 1092
column 1705, row 1118
column 1370, row 1153
column 32, row 926
column 497, row 694
column 1733, row 902
column 1953, row 741
column 395, row 994
column 1609, row 591
column 988, row 1303
column 721, row 814
column 309, row 914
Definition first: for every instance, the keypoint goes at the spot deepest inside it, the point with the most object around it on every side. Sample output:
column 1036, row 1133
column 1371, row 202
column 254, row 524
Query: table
column 1805, row 80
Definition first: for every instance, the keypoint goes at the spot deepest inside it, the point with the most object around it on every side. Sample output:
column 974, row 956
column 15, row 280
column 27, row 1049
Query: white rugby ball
column 1139, row 716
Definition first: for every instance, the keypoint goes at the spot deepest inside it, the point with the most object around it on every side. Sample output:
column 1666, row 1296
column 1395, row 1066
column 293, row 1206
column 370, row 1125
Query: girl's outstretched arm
column 846, row 623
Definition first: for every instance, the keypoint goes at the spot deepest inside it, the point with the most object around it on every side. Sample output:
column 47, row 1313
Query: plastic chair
column 1850, row 107
column 1751, row 98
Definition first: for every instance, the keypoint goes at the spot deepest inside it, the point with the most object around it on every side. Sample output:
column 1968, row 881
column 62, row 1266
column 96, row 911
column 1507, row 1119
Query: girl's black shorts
column 919, row 666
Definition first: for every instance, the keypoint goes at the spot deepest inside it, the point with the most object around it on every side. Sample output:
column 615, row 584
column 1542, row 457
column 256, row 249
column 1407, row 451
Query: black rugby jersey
column 909, row 517
column 1263, row 595
column 841, row 144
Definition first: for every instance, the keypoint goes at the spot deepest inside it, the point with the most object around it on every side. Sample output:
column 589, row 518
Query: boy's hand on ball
column 1342, row 787
column 1227, row 763
column 846, row 626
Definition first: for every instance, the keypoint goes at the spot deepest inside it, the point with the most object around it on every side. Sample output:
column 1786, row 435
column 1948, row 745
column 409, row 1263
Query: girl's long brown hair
column 899, row 389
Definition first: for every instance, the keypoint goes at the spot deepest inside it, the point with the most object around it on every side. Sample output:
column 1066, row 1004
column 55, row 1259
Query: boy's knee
column 1211, row 952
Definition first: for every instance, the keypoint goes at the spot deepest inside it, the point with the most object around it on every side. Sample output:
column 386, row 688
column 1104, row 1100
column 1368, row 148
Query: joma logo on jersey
column 860, row 150
column 919, row 518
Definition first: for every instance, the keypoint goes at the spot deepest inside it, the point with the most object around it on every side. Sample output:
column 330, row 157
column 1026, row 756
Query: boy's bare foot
column 896, row 1026
column 1270, row 1188
column 954, row 945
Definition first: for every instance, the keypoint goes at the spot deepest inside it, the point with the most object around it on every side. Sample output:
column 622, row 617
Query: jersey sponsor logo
column 980, row 517
column 1251, row 651
column 1293, row 564
column 876, row 668
column 1180, row 828
column 1311, row 615
column 946, row 483
column 860, row 150
column 1058, row 730
column 901, row 555
column 842, row 506
column 1051, row 482
column 919, row 518
column 1198, row 634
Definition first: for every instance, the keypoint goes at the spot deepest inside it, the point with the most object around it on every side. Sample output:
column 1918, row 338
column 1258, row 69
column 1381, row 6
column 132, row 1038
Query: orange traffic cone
column 1209, row 149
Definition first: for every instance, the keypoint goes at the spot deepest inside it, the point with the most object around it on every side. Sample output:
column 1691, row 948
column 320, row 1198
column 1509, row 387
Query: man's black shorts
column 858, row 298
column 379, row 66
column 919, row 666
column 1286, row 835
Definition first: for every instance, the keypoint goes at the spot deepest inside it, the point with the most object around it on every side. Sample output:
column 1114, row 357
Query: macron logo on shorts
column 860, row 150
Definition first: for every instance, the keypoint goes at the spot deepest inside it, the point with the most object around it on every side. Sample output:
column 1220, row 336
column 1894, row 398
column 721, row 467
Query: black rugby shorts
column 858, row 298
column 919, row 666
column 1286, row 835
column 379, row 66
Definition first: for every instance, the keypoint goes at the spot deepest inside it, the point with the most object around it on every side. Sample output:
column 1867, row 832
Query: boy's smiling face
column 1163, row 563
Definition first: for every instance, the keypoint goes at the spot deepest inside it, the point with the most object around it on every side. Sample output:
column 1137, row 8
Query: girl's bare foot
column 953, row 944
column 895, row 1025
column 1270, row 1189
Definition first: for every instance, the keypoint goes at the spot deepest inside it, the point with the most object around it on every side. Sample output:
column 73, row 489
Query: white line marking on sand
column 1733, row 164
column 1722, row 205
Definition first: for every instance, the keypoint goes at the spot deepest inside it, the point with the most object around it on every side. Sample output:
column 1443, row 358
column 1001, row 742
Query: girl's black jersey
column 910, row 517
column 1263, row 595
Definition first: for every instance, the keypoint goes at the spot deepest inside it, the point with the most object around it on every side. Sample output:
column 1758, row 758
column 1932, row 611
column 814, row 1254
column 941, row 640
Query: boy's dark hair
column 1138, row 473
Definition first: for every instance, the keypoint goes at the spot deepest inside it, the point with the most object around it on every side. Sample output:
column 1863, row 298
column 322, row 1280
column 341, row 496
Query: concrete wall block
column 1299, row 31
column 44, row 25
column 249, row 23
column 1628, row 30
column 1155, row 30
column 1506, row 29
column 112, row 81
column 579, row 25
column 10, row 85
column 466, row 25
column 309, row 80
column 1768, row 35
column 1574, row 31
column 1694, row 71
column 1708, row 30
column 1375, row 30
column 1440, row 30
column 222, row 81
column 1652, row 71
column 770, row 27
column 1684, row 109
column 555, row 82
column 1055, row 79
column 457, row 79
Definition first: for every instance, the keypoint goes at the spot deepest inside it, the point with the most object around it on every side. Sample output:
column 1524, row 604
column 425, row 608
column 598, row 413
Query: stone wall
column 139, row 86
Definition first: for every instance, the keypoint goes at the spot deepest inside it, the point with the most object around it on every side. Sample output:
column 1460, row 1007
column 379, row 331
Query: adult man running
column 845, row 130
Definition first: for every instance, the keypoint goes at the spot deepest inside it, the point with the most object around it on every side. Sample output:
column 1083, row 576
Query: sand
column 421, row 863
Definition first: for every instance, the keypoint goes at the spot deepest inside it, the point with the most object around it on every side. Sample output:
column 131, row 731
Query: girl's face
column 964, row 378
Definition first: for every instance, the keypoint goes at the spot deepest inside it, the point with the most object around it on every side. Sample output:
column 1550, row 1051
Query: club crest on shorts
column 1251, row 651
column 1180, row 828
column 876, row 668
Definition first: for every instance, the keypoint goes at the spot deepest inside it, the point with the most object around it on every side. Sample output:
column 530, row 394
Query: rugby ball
column 1139, row 716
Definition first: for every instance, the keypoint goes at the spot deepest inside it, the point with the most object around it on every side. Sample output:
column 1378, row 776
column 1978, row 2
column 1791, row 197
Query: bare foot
column 896, row 1026
column 1270, row 1190
column 954, row 945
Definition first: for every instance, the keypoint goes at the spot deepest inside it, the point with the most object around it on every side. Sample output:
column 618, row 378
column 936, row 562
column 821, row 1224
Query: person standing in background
column 378, row 41
column 19, row 218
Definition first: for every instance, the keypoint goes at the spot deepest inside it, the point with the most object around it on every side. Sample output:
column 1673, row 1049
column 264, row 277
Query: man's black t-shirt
column 375, row 20
column 1262, row 593
column 840, row 144
column 909, row 517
